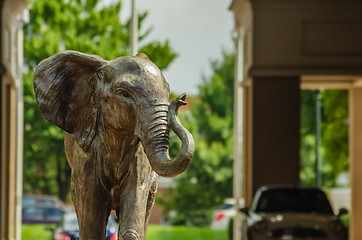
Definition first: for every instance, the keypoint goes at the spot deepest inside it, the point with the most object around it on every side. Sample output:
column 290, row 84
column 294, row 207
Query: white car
column 292, row 213
column 221, row 217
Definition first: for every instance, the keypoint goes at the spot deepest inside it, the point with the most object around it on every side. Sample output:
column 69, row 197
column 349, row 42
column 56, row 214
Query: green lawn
column 184, row 233
column 36, row 231
column 39, row 232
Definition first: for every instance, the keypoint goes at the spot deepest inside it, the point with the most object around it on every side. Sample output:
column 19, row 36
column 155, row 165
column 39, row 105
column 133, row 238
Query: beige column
column 8, row 156
column 356, row 161
column 247, row 143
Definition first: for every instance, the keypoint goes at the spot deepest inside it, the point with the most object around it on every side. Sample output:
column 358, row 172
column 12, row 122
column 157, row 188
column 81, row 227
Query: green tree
column 208, row 179
column 82, row 25
column 308, row 139
column 334, row 136
column 335, row 150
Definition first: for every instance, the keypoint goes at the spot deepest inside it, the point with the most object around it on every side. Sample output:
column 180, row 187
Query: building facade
column 13, row 16
column 289, row 45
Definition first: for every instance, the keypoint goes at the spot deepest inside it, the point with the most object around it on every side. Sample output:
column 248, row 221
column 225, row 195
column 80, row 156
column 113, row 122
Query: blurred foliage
column 308, row 140
column 82, row 25
column 208, row 179
column 334, row 136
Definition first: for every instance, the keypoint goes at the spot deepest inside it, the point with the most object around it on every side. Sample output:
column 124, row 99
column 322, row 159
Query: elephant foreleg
column 135, row 201
column 91, row 200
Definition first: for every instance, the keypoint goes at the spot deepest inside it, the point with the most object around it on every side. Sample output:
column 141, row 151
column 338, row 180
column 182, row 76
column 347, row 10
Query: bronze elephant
column 117, row 119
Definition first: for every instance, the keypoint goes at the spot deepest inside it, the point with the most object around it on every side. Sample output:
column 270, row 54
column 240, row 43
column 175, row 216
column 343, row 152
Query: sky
column 198, row 30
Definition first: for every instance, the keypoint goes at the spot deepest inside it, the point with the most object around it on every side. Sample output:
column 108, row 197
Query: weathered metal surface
column 117, row 117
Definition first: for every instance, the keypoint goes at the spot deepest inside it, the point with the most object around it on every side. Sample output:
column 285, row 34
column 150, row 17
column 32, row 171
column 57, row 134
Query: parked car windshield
column 294, row 200
column 29, row 201
column 70, row 222
column 227, row 206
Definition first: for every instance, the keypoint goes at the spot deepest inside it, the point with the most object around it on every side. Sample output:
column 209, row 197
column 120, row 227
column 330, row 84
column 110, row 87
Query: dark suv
column 292, row 213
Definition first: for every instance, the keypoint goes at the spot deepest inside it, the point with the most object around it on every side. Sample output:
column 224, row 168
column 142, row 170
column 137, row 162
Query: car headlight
column 260, row 226
column 335, row 226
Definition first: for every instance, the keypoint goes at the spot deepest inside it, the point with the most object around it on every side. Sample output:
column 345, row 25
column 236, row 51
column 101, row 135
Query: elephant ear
column 64, row 86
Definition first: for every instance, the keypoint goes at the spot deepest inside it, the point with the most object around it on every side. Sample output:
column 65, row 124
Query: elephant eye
column 121, row 91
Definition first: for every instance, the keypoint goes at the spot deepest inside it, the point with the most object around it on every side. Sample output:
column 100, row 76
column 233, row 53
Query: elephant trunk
column 156, row 142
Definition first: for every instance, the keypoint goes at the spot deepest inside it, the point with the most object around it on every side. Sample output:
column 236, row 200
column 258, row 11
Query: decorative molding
column 242, row 14
column 14, row 16
column 16, row 8
column 270, row 71
column 2, row 67
column 328, row 81
column 357, row 83
column 305, row 5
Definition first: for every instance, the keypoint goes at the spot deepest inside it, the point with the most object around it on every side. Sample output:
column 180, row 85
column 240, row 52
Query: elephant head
column 129, row 95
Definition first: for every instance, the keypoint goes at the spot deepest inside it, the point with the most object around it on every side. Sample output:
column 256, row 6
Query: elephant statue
column 117, row 118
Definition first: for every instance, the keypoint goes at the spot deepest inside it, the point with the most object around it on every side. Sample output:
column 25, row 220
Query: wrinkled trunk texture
column 156, row 141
